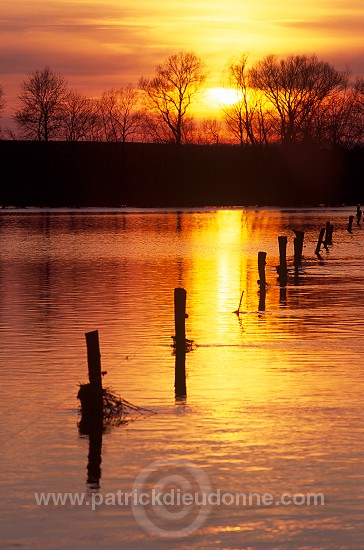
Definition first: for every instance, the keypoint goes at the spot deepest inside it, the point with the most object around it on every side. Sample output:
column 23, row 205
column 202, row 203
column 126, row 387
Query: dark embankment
column 156, row 175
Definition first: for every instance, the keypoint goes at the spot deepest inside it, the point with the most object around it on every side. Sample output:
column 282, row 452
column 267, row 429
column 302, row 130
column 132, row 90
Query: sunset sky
column 98, row 44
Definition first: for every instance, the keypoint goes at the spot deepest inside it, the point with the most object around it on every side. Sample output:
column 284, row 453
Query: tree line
column 295, row 99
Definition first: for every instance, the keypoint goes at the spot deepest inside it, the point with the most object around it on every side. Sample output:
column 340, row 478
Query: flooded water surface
column 274, row 403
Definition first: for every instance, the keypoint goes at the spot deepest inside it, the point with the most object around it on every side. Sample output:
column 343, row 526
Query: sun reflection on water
column 274, row 397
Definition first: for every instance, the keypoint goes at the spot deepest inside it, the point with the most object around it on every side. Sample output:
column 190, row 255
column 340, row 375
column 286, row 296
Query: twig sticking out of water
column 241, row 299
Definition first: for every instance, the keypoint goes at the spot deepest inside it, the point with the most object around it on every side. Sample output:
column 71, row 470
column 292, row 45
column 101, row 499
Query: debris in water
column 116, row 410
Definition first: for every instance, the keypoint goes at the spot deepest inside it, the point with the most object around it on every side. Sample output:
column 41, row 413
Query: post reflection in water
column 94, row 454
column 283, row 294
column 262, row 293
column 180, row 376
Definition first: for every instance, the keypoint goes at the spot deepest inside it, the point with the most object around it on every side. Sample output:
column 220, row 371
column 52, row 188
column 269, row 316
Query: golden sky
column 98, row 44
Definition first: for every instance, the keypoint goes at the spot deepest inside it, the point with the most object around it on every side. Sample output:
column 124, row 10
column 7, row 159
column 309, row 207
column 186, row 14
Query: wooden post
column 180, row 317
column 262, row 289
column 351, row 219
column 180, row 341
column 93, row 358
column 90, row 394
column 92, row 419
column 282, row 243
column 298, row 246
column 319, row 242
column 282, row 267
column 261, row 269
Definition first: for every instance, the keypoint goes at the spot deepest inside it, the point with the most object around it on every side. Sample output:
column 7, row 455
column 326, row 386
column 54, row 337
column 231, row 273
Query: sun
column 217, row 97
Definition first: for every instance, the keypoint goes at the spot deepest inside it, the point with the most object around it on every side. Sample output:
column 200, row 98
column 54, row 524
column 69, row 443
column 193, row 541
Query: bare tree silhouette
column 247, row 118
column 119, row 113
column 80, row 119
column 170, row 93
column 296, row 87
column 42, row 98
